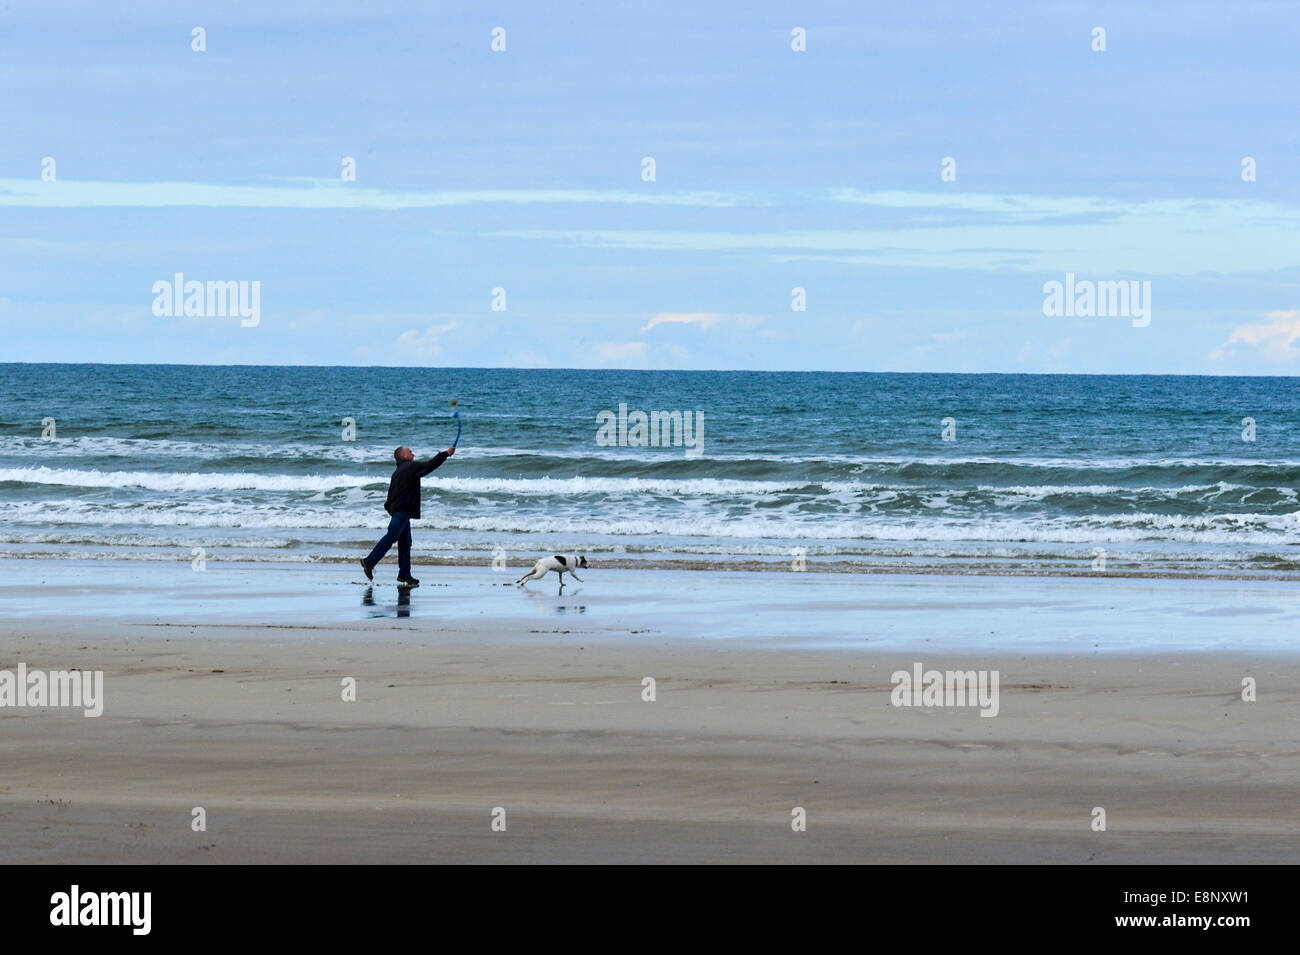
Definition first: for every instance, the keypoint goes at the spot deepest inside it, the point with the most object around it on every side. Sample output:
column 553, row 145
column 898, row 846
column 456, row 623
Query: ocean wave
column 370, row 452
column 570, row 487
column 186, row 480
column 1241, row 528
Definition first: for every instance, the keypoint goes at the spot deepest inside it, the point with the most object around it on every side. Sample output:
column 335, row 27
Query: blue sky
column 775, row 169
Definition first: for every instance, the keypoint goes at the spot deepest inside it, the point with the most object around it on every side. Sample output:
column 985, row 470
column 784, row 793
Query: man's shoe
column 370, row 574
column 407, row 582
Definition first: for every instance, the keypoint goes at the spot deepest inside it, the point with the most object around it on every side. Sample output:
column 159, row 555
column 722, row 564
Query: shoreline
column 1115, row 570
column 806, row 611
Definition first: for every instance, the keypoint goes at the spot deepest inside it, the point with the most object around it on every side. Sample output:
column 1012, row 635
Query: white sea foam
column 1277, row 530
column 195, row 481
column 366, row 451
column 187, row 480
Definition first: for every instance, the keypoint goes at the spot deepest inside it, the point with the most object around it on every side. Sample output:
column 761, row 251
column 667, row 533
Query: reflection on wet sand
column 401, row 609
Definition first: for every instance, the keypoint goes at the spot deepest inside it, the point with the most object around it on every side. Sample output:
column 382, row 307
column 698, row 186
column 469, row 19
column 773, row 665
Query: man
column 404, row 505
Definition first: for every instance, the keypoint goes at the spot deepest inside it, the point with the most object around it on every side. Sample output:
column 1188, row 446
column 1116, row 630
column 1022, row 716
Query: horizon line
column 684, row 371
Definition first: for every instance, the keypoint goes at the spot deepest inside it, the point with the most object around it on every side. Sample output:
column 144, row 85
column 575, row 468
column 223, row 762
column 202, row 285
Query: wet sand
column 781, row 609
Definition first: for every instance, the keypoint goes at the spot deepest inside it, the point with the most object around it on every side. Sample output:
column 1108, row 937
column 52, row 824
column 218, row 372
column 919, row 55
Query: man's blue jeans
column 399, row 530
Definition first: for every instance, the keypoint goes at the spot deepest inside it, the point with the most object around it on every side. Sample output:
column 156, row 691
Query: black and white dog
column 561, row 563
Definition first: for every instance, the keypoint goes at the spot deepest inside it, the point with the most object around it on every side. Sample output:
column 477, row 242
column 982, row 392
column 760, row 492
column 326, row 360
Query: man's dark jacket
column 404, row 488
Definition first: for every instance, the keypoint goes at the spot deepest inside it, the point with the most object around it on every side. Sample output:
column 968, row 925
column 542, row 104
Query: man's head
column 403, row 454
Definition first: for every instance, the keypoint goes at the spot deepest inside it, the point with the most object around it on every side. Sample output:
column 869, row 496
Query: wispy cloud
column 1006, row 232
column 702, row 320
column 425, row 344
column 325, row 194
column 1273, row 341
column 1012, row 207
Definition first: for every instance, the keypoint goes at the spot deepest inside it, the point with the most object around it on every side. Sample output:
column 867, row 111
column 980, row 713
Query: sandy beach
column 479, row 696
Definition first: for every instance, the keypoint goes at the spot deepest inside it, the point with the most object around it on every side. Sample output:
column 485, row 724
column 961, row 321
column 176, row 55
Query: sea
column 727, row 470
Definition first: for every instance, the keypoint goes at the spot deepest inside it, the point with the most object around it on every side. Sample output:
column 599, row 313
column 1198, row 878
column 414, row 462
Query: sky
column 920, row 171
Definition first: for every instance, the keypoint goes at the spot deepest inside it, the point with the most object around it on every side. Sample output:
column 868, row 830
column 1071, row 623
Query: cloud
column 1000, row 232
column 324, row 194
column 424, row 344
column 702, row 319
column 1272, row 341
column 1009, row 206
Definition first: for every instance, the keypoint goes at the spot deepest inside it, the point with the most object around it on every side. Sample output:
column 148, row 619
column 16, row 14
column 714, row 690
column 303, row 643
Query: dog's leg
column 575, row 576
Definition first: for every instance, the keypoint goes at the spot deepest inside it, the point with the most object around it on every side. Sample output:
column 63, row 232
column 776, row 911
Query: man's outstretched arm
column 435, row 462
